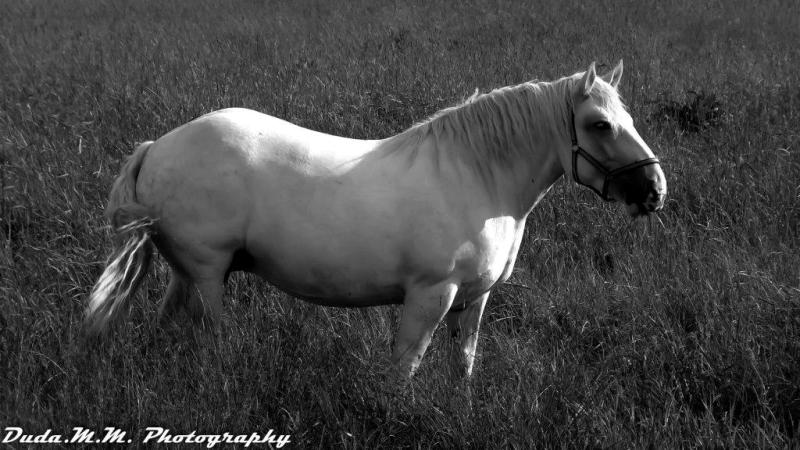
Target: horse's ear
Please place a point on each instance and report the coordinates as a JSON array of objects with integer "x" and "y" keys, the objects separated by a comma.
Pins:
[
  {"x": 615, "y": 75},
  {"x": 586, "y": 83}
]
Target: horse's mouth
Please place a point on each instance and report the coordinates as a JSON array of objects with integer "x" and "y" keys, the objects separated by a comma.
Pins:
[{"x": 637, "y": 209}]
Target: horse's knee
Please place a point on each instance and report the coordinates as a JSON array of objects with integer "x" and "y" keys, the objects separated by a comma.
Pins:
[
  {"x": 423, "y": 309},
  {"x": 462, "y": 355}
]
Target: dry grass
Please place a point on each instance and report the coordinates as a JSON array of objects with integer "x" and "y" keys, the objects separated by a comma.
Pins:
[{"x": 677, "y": 332}]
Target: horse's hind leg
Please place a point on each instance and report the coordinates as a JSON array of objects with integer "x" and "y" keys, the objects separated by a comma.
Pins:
[
  {"x": 175, "y": 298},
  {"x": 205, "y": 302},
  {"x": 196, "y": 283}
]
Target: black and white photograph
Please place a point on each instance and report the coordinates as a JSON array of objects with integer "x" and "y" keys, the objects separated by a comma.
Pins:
[{"x": 399, "y": 224}]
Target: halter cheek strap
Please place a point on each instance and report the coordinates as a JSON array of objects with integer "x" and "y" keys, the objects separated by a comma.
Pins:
[{"x": 608, "y": 175}]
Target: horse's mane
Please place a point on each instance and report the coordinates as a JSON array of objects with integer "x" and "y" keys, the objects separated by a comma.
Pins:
[{"x": 498, "y": 127}]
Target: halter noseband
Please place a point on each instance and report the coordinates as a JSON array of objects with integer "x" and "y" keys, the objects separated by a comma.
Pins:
[{"x": 609, "y": 175}]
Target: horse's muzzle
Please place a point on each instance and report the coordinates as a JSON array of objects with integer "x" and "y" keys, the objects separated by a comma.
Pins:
[{"x": 643, "y": 190}]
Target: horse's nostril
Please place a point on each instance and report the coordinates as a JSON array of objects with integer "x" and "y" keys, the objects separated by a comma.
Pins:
[
  {"x": 654, "y": 199},
  {"x": 653, "y": 193}
]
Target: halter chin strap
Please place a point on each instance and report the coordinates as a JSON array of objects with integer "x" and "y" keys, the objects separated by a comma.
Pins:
[{"x": 609, "y": 175}]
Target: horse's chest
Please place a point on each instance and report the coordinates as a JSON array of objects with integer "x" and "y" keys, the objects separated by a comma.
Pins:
[{"x": 489, "y": 259}]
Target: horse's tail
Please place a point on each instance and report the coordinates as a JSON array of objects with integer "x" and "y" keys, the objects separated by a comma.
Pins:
[{"x": 131, "y": 224}]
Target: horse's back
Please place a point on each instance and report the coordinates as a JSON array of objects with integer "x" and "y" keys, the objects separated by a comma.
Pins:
[
  {"x": 258, "y": 137},
  {"x": 238, "y": 149}
]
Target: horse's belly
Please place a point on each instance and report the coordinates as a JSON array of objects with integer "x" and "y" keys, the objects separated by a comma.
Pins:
[
  {"x": 326, "y": 256},
  {"x": 315, "y": 274}
]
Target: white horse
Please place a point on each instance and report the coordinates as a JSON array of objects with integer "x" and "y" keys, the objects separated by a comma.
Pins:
[{"x": 431, "y": 218}]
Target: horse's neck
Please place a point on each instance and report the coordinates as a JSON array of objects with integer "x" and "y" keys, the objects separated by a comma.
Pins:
[
  {"x": 531, "y": 164},
  {"x": 525, "y": 184},
  {"x": 544, "y": 175},
  {"x": 514, "y": 157}
]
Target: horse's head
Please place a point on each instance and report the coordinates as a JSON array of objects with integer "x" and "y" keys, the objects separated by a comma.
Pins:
[{"x": 607, "y": 154}]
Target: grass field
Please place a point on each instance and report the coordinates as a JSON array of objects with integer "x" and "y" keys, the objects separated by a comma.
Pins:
[{"x": 681, "y": 331}]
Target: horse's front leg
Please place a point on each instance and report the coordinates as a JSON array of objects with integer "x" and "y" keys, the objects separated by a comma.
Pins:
[
  {"x": 423, "y": 309},
  {"x": 463, "y": 326}
]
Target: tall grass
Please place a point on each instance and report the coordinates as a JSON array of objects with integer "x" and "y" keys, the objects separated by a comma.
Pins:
[{"x": 679, "y": 331}]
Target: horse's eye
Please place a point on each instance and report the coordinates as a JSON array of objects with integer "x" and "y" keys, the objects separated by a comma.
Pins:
[{"x": 602, "y": 125}]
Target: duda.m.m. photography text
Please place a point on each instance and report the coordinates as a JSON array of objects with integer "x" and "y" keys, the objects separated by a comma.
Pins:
[{"x": 153, "y": 435}]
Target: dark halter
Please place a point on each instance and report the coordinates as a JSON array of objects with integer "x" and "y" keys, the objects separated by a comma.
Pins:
[{"x": 609, "y": 175}]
